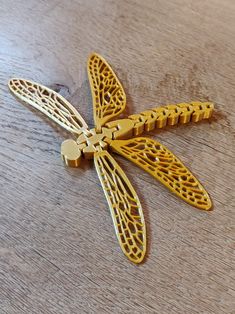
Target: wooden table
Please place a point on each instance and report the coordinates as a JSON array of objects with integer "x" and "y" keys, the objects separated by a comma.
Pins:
[{"x": 58, "y": 250}]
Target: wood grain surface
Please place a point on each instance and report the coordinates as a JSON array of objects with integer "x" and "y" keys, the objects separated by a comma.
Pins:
[{"x": 58, "y": 250}]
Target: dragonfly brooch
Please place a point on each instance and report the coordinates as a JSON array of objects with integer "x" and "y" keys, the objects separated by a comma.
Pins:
[{"x": 119, "y": 136}]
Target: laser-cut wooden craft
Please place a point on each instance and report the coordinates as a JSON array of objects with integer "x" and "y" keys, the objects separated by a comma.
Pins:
[{"x": 109, "y": 100}]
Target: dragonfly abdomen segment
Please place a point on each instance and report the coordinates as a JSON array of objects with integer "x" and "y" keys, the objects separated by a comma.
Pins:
[{"x": 170, "y": 115}]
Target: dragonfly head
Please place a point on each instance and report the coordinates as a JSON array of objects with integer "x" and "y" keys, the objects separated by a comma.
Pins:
[{"x": 71, "y": 153}]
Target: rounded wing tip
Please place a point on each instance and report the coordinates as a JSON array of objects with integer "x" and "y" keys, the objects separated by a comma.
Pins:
[
  {"x": 137, "y": 259},
  {"x": 93, "y": 54},
  {"x": 208, "y": 206},
  {"x": 137, "y": 256},
  {"x": 11, "y": 84},
  {"x": 15, "y": 81},
  {"x": 10, "y": 81}
]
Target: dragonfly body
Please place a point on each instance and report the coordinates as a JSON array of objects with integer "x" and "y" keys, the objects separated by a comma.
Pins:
[
  {"x": 91, "y": 141},
  {"x": 122, "y": 137}
]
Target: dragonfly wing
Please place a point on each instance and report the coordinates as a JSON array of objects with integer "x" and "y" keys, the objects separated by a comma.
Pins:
[
  {"x": 124, "y": 206},
  {"x": 49, "y": 102},
  {"x": 109, "y": 98},
  {"x": 163, "y": 165}
]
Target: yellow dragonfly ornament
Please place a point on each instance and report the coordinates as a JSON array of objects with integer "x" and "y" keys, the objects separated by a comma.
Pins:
[{"x": 119, "y": 136}]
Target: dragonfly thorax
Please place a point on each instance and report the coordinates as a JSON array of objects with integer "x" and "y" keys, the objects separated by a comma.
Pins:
[
  {"x": 91, "y": 141},
  {"x": 85, "y": 146}
]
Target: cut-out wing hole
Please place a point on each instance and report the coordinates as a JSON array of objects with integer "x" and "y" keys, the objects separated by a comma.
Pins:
[
  {"x": 124, "y": 206},
  {"x": 49, "y": 102},
  {"x": 108, "y": 95},
  {"x": 163, "y": 165}
]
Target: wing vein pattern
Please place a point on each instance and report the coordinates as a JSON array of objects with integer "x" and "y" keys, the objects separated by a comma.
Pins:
[
  {"x": 109, "y": 98},
  {"x": 125, "y": 207},
  {"x": 50, "y": 103},
  {"x": 163, "y": 165}
]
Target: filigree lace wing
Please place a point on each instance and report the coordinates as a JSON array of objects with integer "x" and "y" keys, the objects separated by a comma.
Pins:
[
  {"x": 49, "y": 102},
  {"x": 163, "y": 165},
  {"x": 108, "y": 95},
  {"x": 124, "y": 206}
]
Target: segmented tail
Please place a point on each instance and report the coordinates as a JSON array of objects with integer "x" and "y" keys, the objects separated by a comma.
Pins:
[{"x": 170, "y": 115}]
